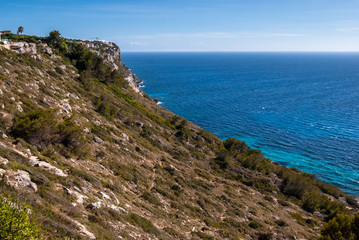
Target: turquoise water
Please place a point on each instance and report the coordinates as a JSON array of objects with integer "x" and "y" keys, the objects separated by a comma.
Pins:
[{"x": 300, "y": 109}]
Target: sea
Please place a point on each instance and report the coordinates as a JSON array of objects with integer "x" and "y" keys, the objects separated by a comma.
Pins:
[{"x": 300, "y": 109}]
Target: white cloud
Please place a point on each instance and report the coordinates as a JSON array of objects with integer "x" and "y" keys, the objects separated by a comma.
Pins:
[
  {"x": 181, "y": 35},
  {"x": 198, "y": 35},
  {"x": 209, "y": 35},
  {"x": 258, "y": 34},
  {"x": 349, "y": 30},
  {"x": 138, "y": 44}
]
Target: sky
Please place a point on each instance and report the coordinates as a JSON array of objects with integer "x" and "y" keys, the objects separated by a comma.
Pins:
[{"x": 193, "y": 25}]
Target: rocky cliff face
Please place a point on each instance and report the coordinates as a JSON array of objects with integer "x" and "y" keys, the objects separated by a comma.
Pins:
[
  {"x": 97, "y": 160},
  {"x": 111, "y": 53}
]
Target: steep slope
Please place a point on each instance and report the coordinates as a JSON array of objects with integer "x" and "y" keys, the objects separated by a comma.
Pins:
[{"x": 97, "y": 159}]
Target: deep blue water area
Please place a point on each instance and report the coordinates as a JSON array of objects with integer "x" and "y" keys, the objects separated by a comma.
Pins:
[{"x": 300, "y": 109}]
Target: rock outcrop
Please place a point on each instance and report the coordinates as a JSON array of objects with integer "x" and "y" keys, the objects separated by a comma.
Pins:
[
  {"x": 111, "y": 53},
  {"x": 21, "y": 180},
  {"x": 46, "y": 166}
]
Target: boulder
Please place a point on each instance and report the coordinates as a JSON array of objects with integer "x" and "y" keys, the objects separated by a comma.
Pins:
[
  {"x": 95, "y": 205},
  {"x": 20, "y": 180},
  {"x": 6, "y": 71},
  {"x": 46, "y": 166},
  {"x": 83, "y": 230},
  {"x": 2, "y": 134},
  {"x": 37, "y": 58},
  {"x": 3, "y": 160},
  {"x": 98, "y": 140},
  {"x": 125, "y": 137}
]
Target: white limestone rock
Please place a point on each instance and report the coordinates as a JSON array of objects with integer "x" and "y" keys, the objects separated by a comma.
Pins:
[
  {"x": 20, "y": 180},
  {"x": 83, "y": 230},
  {"x": 46, "y": 166}
]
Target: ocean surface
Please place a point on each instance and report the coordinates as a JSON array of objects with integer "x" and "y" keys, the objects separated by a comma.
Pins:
[{"x": 300, "y": 109}]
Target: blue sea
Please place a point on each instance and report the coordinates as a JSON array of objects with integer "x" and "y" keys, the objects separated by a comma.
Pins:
[{"x": 300, "y": 109}]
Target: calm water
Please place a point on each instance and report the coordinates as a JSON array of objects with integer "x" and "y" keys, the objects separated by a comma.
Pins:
[{"x": 300, "y": 109}]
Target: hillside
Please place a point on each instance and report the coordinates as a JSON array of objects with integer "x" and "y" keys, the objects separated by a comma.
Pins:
[{"x": 98, "y": 159}]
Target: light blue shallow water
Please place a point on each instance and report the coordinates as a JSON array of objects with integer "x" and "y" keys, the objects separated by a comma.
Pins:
[{"x": 299, "y": 109}]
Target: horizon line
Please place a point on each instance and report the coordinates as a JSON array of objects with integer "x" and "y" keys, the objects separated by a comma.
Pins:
[{"x": 216, "y": 51}]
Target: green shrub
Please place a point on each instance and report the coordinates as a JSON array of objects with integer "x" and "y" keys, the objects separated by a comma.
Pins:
[
  {"x": 202, "y": 235},
  {"x": 84, "y": 175},
  {"x": 234, "y": 154},
  {"x": 173, "y": 233},
  {"x": 280, "y": 223},
  {"x": 265, "y": 236},
  {"x": 146, "y": 131},
  {"x": 71, "y": 135},
  {"x": 16, "y": 222},
  {"x": 342, "y": 227},
  {"x": 283, "y": 203},
  {"x": 43, "y": 127},
  {"x": 59, "y": 70},
  {"x": 148, "y": 196},
  {"x": 52, "y": 73},
  {"x": 105, "y": 108},
  {"x": 311, "y": 201},
  {"x": 234, "y": 145},
  {"x": 184, "y": 133},
  {"x": 253, "y": 224},
  {"x": 222, "y": 159},
  {"x": 37, "y": 127},
  {"x": 298, "y": 217},
  {"x": 142, "y": 222},
  {"x": 209, "y": 137}
]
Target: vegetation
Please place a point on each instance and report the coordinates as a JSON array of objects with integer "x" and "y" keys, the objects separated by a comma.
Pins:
[
  {"x": 146, "y": 225},
  {"x": 19, "y": 37},
  {"x": 20, "y": 30},
  {"x": 233, "y": 154},
  {"x": 342, "y": 227},
  {"x": 41, "y": 127},
  {"x": 16, "y": 221},
  {"x": 57, "y": 41}
]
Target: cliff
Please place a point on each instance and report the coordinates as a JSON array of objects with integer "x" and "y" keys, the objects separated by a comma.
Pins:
[
  {"x": 111, "y": 53},
  {"x": 97, "y": 159}
]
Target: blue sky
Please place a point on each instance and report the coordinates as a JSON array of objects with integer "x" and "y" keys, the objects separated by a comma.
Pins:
[{"x": 194, "y": 25}]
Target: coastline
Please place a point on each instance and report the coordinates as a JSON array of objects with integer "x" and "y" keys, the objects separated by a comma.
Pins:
[{"x": 287, "y": 150}]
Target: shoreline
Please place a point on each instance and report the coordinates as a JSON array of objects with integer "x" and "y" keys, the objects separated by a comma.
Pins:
[{"x": 306, "y": 165}]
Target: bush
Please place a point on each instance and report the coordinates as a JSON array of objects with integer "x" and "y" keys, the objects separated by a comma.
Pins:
[
  {"x": 311, "y": 201},
  {"x": 341, "y": 227},
  {"x": 265, "y": 236},
  {"x": 146, "y": 225},
  {"x": 43, "y": 127},
  {"x": 280, "y": 223},
  {"x": 148, "y": 196},
  {"x": 222, "y": 159},
  {"x": 52, "y": 73},
  {"x": 283, "y": 203},
  {"x": 234, "y": 154},
  {"x": 71, "y": 136},
  {"x": 254, "y": 224},
  {"x": 37, "y": 127},
  {"x": 16, "y": 222},
  {"x": 59, "y": 70},
  {"x": 105, "y": 108}
]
